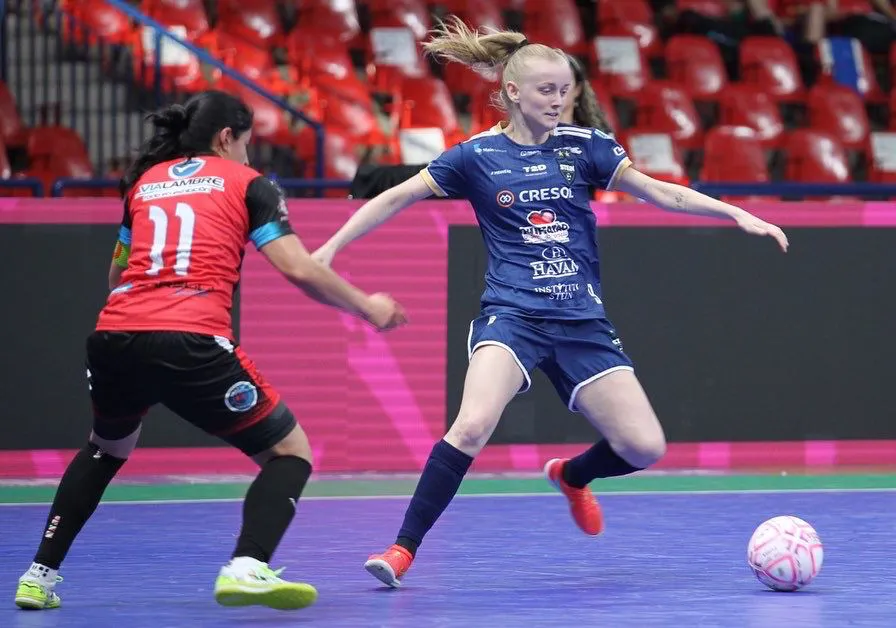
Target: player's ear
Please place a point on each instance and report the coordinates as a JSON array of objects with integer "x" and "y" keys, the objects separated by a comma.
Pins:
[
  {"x": 224, "y": 139},
  {"x": 513, "y": 91}
]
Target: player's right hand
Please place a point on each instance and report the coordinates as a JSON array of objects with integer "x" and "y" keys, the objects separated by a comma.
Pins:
[
  {"x": 323, "y": 256},
  {"x": 384, "y": 312}
]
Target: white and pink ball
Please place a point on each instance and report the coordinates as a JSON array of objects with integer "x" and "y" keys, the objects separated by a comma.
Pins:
[{"x": 785, "y": 553}]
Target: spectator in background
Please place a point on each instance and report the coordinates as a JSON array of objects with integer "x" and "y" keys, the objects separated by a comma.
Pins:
[
  {"x": 872, "y": 22},
  {"x": 581, "y": 106},
  {"x": 741, "y": 19}
]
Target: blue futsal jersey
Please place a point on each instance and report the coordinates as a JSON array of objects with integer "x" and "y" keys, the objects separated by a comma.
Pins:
[{"x": 532, "y": 204}]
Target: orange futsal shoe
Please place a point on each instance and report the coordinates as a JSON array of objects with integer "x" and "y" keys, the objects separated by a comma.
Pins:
[
  {"x": 390, "y": 566},
  {"x": 583, "y": 506}
]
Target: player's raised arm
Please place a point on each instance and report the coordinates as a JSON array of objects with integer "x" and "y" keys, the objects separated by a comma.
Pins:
[
  {"x": 678, "y": 198},
  {"x": 375, "y": 212},
  {"x": 288, "y": 255},
  {"x": 270, "y": 231}
]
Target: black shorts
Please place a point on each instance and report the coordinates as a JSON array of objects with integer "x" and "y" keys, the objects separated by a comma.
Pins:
[{"x": 207, "y": 380}]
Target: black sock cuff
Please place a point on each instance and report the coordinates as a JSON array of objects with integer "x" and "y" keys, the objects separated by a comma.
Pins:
[{"x": 445, "y": 452}]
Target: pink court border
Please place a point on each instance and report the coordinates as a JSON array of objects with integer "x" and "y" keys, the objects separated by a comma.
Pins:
[{"x": 376, "y": 402}]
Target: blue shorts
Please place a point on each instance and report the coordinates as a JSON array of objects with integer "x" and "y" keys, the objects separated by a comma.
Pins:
[{"x": 571, "y": 353}]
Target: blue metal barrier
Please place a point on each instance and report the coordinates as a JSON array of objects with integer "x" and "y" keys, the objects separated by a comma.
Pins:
[
  {"x": 791, "y": 189},
  {"x": 35, "y": 185},
  {"x": 785, "y": 190}
]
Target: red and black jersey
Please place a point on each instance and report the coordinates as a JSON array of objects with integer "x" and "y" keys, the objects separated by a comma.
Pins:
[{"x": 187, "y": 223}]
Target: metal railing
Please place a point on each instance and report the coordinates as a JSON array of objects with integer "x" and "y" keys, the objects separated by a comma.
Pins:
[{"x": 65, "y": 74}]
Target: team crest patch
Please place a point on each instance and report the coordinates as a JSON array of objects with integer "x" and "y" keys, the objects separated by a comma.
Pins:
[
  {"x": 567, "y": 164},
  {"x": 241, "y": 396}
]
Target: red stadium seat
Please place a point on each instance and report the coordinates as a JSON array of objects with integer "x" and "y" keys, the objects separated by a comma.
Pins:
[
  {"x": 620, "y": 65},
  {"x": 742, "y": 105},
  {"x": 476, "y": 13},
  {"x": 411, "y": 14},
  {"x": 654, "y": 154},
  {"x": 709, "y": 8},
  {"x": 815, "y": 157},
  {"x": 341, "y": 160},
  {"x": 695, "y": 63},
  {"x": 734, "y": 154},
  {"x": 854, "y": 7},
  {"x": 47, "y": 143},
  {"x": 313, "y": 56},
  {"x": 187, "y": 13},
  {"x": 839, "y": 111},
  {"x": 256, "y": 21},
  {"x": 665, "y": 107},
  {"x": 769, "y": 64},
  {"x": 94, "y": 21},
  {"x": 12, "y": 131},
  {"x": 254, "y": 63},
  {"x": 464, "y": 81},
  {"x": 337, "y": 19},
  {"x": 555, "y": 24},
  {"x": 5, "y": 170},
  {"x": 606, "y": 104},
  {"x": 632, "y": 18},
  {"x": 426, "y": 103},
  {"x": 883, "y": 158},
  {"x": 181, "y": 69},
  {"x": 393, "y": 54},
  {"x": 56, "y": 152}
]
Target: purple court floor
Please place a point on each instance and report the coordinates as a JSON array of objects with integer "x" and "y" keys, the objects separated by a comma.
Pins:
[{"x": 665, "y": 560}]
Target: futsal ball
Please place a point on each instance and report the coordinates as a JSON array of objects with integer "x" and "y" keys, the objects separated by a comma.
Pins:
[{"x": 785, "y": 553}]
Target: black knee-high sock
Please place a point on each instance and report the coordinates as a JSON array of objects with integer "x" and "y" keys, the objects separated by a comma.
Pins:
[
  {"x": 599, "y": 461},
  {"x": 270, "y": 505},
  {"x": 79, "y": 492},
  {"x": 441, "y": 477}
]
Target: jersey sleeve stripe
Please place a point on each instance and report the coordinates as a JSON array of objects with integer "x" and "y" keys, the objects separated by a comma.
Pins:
[
  {"x": 267, "y": 233},
  {"x": 124, "y": 235},
  {"x": 431, "y": 182},
  {"x": 620, "y": 168}
]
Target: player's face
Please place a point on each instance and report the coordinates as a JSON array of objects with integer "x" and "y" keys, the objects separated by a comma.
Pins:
[
  {"x": 542, "y": 92},
  {"x": 234, "y": 148}
]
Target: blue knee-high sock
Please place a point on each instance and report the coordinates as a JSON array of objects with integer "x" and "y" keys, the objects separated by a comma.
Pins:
[
  {"x": 442, "y": 475},
  {"x": 599, "y": 461}
]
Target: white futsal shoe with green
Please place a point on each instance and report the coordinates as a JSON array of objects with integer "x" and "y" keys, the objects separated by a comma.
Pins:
[
  {"x": 245, "y": 581},
  {"x": 35, "y": 591}
]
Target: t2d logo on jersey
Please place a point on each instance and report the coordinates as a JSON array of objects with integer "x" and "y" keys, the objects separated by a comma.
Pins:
[
  {"x": 185, "y": 169},
  {"x": 535, "y": 170},
  {"x": 559, "y": 291},
  {"x": 555, "y": 263},
  {"x": 544, "y": 228}
]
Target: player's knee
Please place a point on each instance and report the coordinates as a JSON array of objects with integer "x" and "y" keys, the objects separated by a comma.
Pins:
[
  {"x": 642, "y": 450},
  {"x": 471, "y": 431}
]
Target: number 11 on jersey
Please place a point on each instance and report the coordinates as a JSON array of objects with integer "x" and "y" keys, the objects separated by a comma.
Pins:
[{"x": 159, "y": 219}]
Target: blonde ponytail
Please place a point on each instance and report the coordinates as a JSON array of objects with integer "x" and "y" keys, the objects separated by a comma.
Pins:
[{"x": 491, "y": 53}]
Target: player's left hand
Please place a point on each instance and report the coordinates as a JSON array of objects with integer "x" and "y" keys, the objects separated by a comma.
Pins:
[{"x": 754, "y": 226}]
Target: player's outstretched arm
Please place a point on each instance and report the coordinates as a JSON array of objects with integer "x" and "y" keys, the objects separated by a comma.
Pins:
[
  {"x": 288, "y": 255},
  {"x": 372, "y": 214},
  {"x": 677, "y": 198}
]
